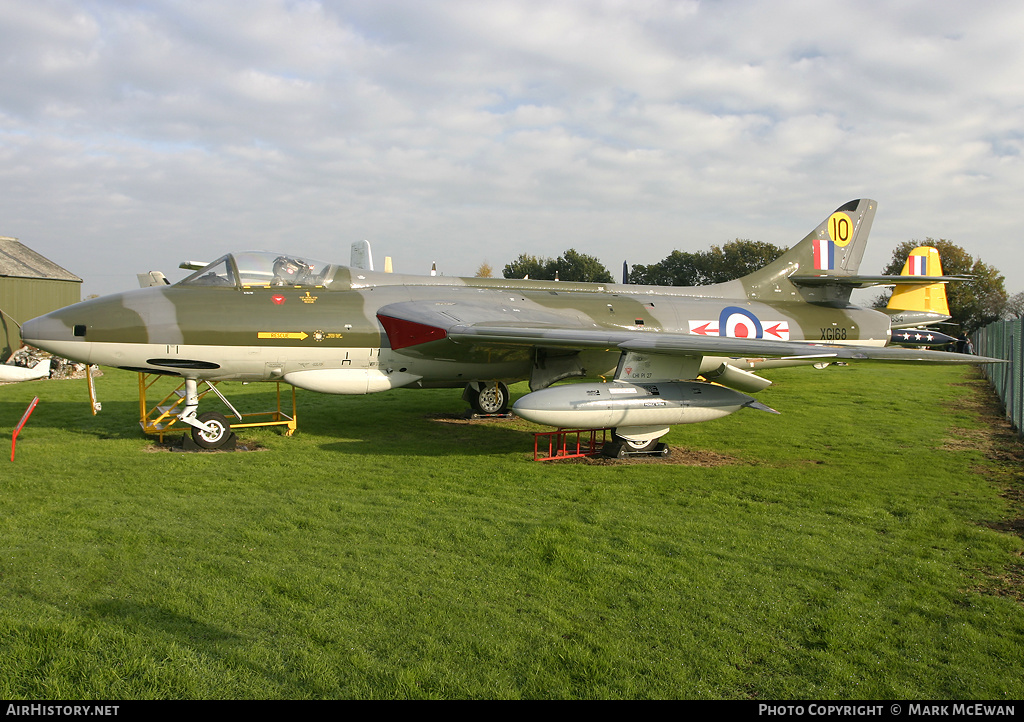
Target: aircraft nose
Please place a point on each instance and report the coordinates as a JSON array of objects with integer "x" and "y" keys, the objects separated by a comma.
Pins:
[
  {"x": 55, "y": 334},
  {"x": 30, "y": 331},
  {"x": 46, "y": 328}
]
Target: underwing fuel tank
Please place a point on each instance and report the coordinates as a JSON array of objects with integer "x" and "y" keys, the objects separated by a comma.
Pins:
[{"x": 622, "y": 404}]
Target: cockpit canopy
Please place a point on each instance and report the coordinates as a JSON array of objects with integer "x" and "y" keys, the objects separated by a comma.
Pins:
[{"x": 263, "y": 269}]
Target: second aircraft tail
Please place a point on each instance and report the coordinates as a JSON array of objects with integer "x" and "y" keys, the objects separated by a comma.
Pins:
[{"x": 923, "y": 261}]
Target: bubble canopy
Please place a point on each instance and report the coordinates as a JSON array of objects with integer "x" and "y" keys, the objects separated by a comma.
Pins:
[{"x": 262, "y": 268}]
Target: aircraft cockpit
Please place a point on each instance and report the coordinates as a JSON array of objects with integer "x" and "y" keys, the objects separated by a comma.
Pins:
[{"x": 263, "y": 269}]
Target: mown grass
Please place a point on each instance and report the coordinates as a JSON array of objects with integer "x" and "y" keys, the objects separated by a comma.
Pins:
[{"x": 841, "y": 550}]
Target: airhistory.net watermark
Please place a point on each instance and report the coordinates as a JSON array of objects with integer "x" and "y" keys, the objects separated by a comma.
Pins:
[{"x": 61, "y": 710}]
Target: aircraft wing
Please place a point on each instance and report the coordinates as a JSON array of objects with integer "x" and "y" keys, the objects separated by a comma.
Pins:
[
  {"x": 823, "y": 279},
  {"x": 695, "y": 345},
  {"x": 410, "y": 324}
]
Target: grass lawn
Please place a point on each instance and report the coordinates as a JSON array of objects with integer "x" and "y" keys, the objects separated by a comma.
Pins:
[{"x": 863, "y": 545}]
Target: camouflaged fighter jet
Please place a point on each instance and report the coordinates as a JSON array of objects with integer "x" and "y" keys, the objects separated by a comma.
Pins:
[{"x": 676, "y": 355}]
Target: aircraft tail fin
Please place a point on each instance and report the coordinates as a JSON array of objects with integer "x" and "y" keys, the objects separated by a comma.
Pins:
[
  {"x": 361, "y": 256},
  {"x": 823, "y": 266},
  {"x": 153, "y": 278},
  {"x": 931, "y": 297}
]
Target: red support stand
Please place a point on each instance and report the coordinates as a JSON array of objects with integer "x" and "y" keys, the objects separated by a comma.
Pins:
[{"x": 568, "y": 443}]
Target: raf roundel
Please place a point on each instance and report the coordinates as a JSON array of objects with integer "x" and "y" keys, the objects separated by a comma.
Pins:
[{"x": 738, "y": 322}]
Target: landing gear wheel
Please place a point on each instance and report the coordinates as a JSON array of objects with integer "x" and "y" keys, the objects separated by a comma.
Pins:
[
  {"x": 630, "y": 445},
  {"x": 491, "y": 399},
  {"x": 212, "y": 439}
]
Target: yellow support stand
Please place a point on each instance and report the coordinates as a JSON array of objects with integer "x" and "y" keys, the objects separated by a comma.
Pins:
[{"x": 160, "y": 419}]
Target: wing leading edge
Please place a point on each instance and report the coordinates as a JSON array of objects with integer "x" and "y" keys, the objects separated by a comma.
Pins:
[{"x": 689, "y": 345}]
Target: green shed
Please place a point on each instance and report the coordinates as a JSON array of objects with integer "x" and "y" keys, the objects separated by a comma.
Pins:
[{"x": 30, "y": 285}]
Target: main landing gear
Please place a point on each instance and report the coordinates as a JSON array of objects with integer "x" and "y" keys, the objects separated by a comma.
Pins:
[{"x": 488, "y": 398}]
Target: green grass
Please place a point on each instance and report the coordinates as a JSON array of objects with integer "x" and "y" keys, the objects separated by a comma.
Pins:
[{"x": 845, "y": 551}]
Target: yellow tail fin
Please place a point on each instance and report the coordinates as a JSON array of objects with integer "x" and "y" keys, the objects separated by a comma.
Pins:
[{"x": 923, "y": 261}]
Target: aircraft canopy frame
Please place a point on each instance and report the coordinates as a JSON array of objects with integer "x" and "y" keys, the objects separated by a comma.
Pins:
[{"x": 263, "y": 269}]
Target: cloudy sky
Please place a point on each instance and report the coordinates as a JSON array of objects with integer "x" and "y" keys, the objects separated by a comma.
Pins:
[{"x": 136, "y": 135}]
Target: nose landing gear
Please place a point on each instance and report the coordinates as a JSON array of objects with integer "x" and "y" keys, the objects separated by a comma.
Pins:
[
  {"x": 210, "y": 430},
  {"x": 217, "y": 434}
]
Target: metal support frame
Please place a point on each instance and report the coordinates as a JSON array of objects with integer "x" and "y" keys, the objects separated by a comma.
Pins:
[
  {"x": 159, "y": 420},
  {"x": 577, "y": 443},
  {"x": 568, "y": 443}
]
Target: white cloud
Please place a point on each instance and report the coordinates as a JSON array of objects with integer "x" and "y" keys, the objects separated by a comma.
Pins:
[{"x": 450, "y": 131}]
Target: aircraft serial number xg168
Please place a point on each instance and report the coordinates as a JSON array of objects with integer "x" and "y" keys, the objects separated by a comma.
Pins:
[{"x": 676, "y": 355}]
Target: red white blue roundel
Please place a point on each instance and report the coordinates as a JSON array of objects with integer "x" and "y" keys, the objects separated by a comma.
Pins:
[{"x": 738, "y": 322}]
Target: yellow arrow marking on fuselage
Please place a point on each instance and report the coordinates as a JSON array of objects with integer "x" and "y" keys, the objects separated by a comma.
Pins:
[{"x": 301, "y": 335}]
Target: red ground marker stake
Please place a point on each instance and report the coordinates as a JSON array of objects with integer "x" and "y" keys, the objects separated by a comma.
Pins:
[{"x": 17, "y": 429}]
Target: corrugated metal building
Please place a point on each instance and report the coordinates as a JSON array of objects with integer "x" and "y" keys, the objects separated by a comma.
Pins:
[{"x": 30, "y": 286}]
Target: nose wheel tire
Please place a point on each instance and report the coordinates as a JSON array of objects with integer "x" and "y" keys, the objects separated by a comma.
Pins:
[{"x": 221, "y": 431}]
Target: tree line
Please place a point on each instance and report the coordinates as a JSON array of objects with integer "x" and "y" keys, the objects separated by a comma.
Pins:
[
  {"x": 716, "y": 265},
  {"x": 570, "y": 266},
  {"x": 972, "y": 304}
]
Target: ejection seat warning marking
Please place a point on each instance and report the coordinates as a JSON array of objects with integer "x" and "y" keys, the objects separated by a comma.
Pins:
[
  {"x": 301, "y": 335},
  {"x": 319, "y": 335},
  {"x": 840, "y": 229}
]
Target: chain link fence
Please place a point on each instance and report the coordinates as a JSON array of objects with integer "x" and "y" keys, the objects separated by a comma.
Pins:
[{"x": 1005, "y": 339}]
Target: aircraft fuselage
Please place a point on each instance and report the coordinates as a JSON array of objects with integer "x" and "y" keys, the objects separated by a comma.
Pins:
[{"x": 274, "y": 332}]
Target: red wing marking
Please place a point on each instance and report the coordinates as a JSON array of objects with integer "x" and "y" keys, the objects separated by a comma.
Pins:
[{"x": 404, "y": 333}]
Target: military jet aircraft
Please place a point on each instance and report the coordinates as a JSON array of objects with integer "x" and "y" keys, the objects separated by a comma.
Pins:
[{"x": 673, "y": 355}]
